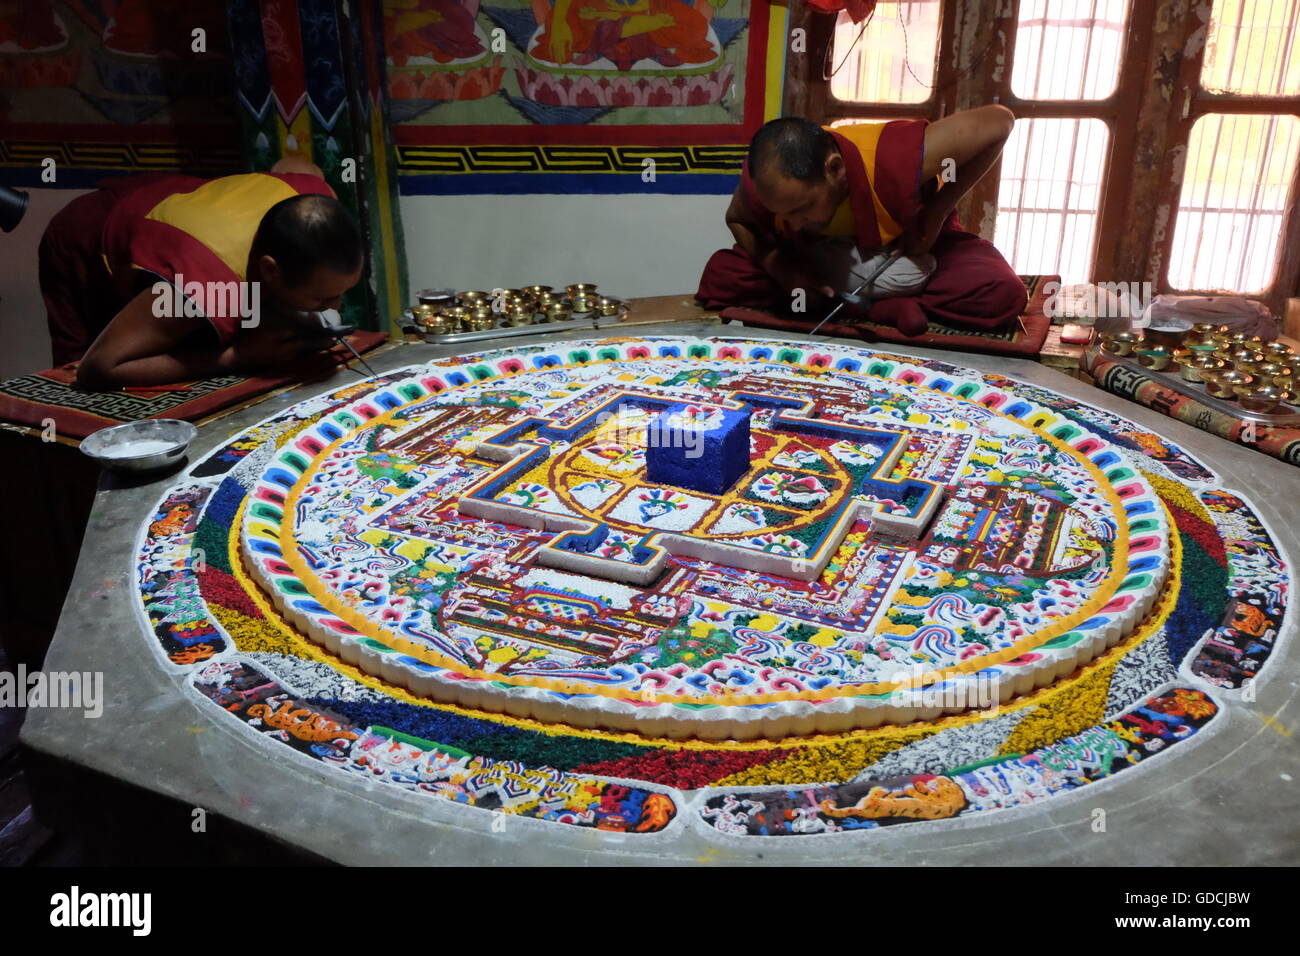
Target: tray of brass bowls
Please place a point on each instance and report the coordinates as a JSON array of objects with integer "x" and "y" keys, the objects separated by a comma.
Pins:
[
  {"x": 507, "y": 313},
  {"x": 1240, "y": 395}
]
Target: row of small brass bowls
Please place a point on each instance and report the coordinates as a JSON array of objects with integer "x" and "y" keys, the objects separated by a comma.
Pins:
[
  {"x": 475, "y": 311},
  {"x": 1258, "y": 375}
]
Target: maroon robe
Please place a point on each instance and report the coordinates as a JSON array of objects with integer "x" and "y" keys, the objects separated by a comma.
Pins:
[{"x": 972, "y": 287}]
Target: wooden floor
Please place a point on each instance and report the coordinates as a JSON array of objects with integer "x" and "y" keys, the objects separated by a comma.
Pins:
[{"x": 24, "y": 841}]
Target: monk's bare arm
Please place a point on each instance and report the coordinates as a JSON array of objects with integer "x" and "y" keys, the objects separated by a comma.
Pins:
[
  {"x": 972, "y": 140},
  {"x": 141, "y": 348}
]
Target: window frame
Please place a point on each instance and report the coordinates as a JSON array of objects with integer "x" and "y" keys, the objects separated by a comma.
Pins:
[{"x": 1157, "y": 98}]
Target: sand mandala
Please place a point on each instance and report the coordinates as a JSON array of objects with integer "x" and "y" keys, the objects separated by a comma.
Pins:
[{"x": 751, "y": 588}]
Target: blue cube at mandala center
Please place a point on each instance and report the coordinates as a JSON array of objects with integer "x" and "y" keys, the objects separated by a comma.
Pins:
[{"x": 698, "y": 447}]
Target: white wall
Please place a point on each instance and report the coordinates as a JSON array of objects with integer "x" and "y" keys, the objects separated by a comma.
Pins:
[
  {"x": 23, "y": 332},
  {"x": 628, "y": 245}
]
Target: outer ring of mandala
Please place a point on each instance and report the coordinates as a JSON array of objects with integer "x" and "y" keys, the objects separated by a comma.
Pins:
[
  {"x": 184, "y": 631},
  {"x": 1060, "y": 648}
]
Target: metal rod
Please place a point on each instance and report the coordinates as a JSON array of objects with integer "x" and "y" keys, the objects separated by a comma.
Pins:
[
  {"x": 854, "y": 296},
  {"x": 357, "y": 355}
]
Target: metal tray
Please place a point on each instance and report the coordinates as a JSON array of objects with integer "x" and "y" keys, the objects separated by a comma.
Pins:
[
  {"x": 590, "y": 321},
  {"x": 1197, "y": 391}
]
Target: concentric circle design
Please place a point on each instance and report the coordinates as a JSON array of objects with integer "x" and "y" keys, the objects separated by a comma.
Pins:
[
  {"x": 350, "y": 518},
  {"x": 927, "y": 594}
]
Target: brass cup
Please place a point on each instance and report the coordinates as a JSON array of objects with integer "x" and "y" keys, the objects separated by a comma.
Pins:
[
  {"x": 1227, "y": 383},
  {"x": 1169, "y": 334},
  {"x": 474, "y": 300},
  {"x": 1156, "y": 358},
  {"x": 1287, "y": 383},
  {"x": 1262, "y": 398},
  {"x": 1271, "y": 369},
  {"x": 1202, "y": 331},
  {"x": 608, "y": 306},
  {"x": 583, "y": 305},
  {"x": 443, "y": 324},
  {"x": 537, "y": 291},
  {"x": 1279, "y": 352},
  {"x": 1246, "y": 358},
  {"x": 558, "y": 312},
  {"x": 1200, "y": 368},
  {"x": 1122, "y": 343},
  {"x": 437, "y": 298},
  {"x": 581, "y": 289}
]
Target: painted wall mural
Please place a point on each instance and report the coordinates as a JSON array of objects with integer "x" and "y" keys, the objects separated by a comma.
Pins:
[{"x": 575, "y": 95}]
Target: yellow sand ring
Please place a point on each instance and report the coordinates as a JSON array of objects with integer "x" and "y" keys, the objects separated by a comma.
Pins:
[{"x": 283, "y": 534}]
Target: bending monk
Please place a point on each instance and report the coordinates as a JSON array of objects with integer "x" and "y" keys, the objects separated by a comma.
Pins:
[
  {"x": 816, "y": 208},
  {"x": 151, "y": 278}
]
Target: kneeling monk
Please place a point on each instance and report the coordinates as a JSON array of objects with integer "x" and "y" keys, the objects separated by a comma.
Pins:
[
  {"x": 110, "y": 260},
  {"x": 816, "y": 209}
]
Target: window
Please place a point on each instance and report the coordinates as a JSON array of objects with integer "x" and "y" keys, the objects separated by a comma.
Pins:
[
  {"x": 1253, "y": 48},
  {"x": 1233, "y": 201},
  {"x": 1241, "y": 166},
  {"x": 1068, "y": 49},
  {"x": 1121, "y": 167},
  {"x": 1049, "y": 195},
  {"x": 891, "y": 57}
]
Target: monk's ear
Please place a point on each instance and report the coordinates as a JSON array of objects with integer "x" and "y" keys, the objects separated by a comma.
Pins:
[
  {"x": 834, "y": 167},
  {"x": 268, "y": 270}
]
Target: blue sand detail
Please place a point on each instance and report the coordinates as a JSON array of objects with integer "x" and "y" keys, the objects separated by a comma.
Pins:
[{"x": 708, "y": 460}]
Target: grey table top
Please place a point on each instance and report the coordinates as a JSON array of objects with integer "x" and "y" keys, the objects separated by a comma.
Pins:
[{"x": 1231, "y": 799}]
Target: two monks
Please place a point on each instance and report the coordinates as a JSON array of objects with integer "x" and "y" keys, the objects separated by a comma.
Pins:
[{"x": 817, "y": 209}]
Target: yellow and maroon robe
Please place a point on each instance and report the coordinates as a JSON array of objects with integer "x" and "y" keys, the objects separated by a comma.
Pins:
[
  {"x": 973, "y": 285},
  {"x": 105, "y": 247}
]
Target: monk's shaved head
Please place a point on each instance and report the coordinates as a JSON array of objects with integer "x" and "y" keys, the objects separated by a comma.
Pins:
[
  {"x": 304, "y": 233},
  {"x": 798, "y": 172},
  {"x": 792, "y": 147}
]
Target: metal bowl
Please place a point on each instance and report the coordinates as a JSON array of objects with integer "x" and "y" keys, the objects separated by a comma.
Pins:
[
  {"x": 1121, "y": 343},
  {"x": 1201, "y": 367},
  {"x": 581, "y": 289},
  {"x": 1228, "y": 383},
  {"x": 1246, "y": 358},
  {"x": 537, "y": 291},
  {"x": 1262, "y": 398},
  {"x": 141, "y": 446},
  {"x": 438, "y": 298},
  {"x": 1170, "y": 333},
  {"x": 1156, "y": 358}
]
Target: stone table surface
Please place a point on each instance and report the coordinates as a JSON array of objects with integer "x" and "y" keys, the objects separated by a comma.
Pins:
[{"x": 1229, "y": 799}]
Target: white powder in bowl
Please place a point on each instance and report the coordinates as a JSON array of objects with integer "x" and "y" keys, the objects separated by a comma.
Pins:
[{"x": 140, "y": 448}]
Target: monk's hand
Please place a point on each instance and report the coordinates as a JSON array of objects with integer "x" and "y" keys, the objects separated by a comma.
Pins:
[
  {"x": 274, "y": 344},
  {"x": 791, "y": 275}
]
